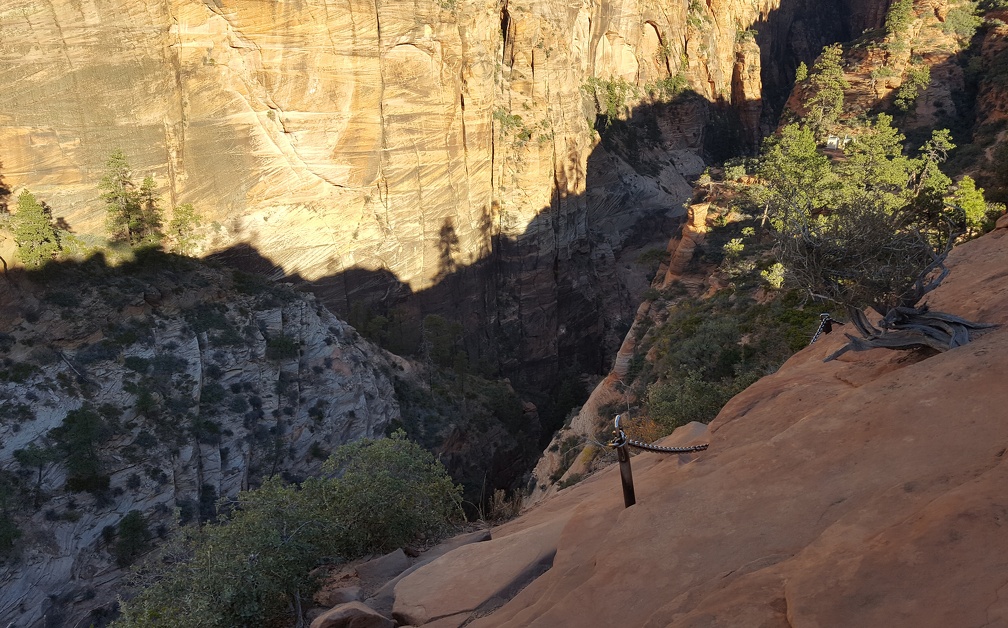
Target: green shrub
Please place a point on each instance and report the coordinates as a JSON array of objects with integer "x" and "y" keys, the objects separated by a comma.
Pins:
[
  {"x": 733, "y": 248},
  {"x": 206, "y": 317},
  {"x": 774, "y": 276},
  {"x": 611, "y": 95},
  {"x": 133, "y": 538},
  {"x": 962, "y": 21},
  {"x": 281, "y": 347},
  {"x": 253, "y": 567},
  {"x": 664, "y": 89},
  {"x": 165, "y": 365},
  {"x": 693, "y": 398},
  {"x": 18, "y": 372},
  {"x": 212, "y": 393},
  {"x": 136, "y": 363},
  {"x": 9, "y": 531}
]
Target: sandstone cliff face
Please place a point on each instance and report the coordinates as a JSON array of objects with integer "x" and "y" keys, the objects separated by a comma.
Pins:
[
  {"x": 381, "y": 147},
  {"x": 204, "y": 390},
  {"x": 864, "y": 491}
]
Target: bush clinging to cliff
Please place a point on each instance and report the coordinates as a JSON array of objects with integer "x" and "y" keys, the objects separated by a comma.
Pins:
[{"x": 253, "y": 568}]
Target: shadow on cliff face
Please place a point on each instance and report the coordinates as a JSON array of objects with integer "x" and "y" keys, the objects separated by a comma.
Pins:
[{"x": 552, "y": 302}]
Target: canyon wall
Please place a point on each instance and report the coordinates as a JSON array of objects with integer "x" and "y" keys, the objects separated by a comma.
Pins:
[
  {"x": 378, "y": 148},
  {"x": 191, "y": 386}
]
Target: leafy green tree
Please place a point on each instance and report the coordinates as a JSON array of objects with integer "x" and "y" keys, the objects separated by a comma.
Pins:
[
  {"x": 796, "y": 176},
  {"x": 801, "y": 73},
  {"x": 121, "y": 202},
  {"x": 133, "y": 214},
  {"x": 898, "y": 18},
  {"x": 254, "y": 568},
  {"x": 182, "y": 229},
  {"x": 918, "y": 78},
  {"x": 150, "y": 216},
  {"x": 876, "y": 168},
  {"x": 34, "y": 234}
]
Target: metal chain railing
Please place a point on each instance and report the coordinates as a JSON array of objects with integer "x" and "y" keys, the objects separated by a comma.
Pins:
[
  {"x": 826, "y": 323},
  {"x": 620, "y": 443}
]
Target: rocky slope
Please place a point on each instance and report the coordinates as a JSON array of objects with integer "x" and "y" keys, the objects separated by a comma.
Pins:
[
  {"x": 198, "y": 385},
  {"x": 863, "y": 491},
  {"x": 378, "y": 148}
]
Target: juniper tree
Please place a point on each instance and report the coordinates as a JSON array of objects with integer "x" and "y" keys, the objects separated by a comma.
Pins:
[
  {"x": 255, "y": 566},
  {"x": 871, "y": 231}
]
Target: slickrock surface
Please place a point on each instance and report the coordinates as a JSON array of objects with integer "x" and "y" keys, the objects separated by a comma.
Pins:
[
  {"x": 493, "y": 570},
  {"x": 868, "y": 491}
]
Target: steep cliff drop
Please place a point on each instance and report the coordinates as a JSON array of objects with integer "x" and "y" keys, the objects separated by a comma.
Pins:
[{"x": 865, "y": 491}]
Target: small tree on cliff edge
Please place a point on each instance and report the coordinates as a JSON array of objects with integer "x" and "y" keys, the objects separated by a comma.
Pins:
[
  {"x": 182, "y": 229},
  {"x": 871, "y": 231},
  {"x": 133, "y": 215}
]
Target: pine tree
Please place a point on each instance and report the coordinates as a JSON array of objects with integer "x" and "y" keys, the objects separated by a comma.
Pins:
[
  {"x": 34, "y": 234},
  {"x": 182, "y": 229},
  {"x": 133, "y": 215},
  {"x": 149, "y": 218},
  {"x": 121, "y": 199}
]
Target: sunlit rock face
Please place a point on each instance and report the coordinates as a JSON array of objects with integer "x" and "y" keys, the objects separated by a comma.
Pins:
[{"x": 380, "y": 148}]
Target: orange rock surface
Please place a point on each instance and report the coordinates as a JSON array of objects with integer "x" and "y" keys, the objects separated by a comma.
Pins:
[{"x": 868, "y": 491}]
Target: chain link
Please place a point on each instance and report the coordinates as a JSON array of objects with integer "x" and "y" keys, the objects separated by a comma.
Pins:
[
  {"x": 825, "y": 326},
  {"x": 667, "y": 450},
  {"x": 620, "y": 439}
]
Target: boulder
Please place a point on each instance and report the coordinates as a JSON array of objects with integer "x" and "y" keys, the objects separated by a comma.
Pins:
[
  {"x": 383, "y": 598},
  {"x": 352, "y": 615},
  {"x": 335, "y": 597},
  {"x": 374, "y": 573},
  {"x": 476, "y": 577}
]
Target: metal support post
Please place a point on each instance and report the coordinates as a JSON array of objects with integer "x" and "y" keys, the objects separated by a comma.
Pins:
[{"x": 626, "y": 474}]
